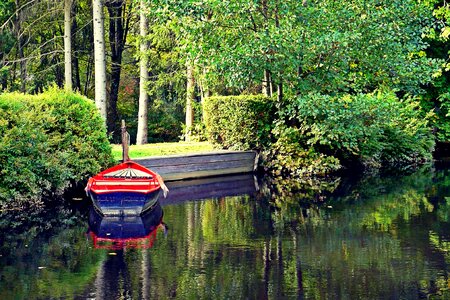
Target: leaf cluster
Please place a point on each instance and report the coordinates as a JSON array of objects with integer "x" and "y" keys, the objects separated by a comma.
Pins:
[
  {"x": 323, "y": 46},
  {"x": 327, "y": 132},
  {"x": 47, "y": 142}
]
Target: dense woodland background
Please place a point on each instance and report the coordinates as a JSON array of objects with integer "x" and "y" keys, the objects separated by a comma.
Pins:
[{"x": 321, "y": 62}]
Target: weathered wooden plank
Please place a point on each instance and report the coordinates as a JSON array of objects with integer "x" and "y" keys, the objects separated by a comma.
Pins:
[
  {"x": 179, "y": 167},
  {"x": 181, "y": 175},
  {"x": 196, "y": 158},
  {"x": 205, "y": 166},
  {"x": 208, "y": 188}
]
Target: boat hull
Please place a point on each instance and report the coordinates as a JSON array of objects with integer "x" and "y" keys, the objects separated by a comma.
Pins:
[{"x": 124, "y": 203}]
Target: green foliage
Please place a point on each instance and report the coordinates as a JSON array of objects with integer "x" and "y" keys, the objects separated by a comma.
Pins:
[
  {"x": 167, "y": 85},
  {"x": 47, "y": 142},
  {"x": 375, "y": 129},
  {"x": 164, "y": 121},
  {"x": 437, "y": 95},
  {"x": 306, "y": 45},
  {"x": 239, "y": 122},
  {"x": 288, "y": 156}
]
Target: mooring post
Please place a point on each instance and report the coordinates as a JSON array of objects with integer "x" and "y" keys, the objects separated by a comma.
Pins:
[{"x": 125, "y": 140}]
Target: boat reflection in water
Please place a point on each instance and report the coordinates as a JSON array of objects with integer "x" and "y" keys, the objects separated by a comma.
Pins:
[
  {"x": 127, "y": 270},
  {"x": 120, "y": 236},
  {"x": 126, "y": 231}
]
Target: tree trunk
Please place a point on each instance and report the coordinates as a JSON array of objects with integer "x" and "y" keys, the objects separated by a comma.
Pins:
[
  {"x": 280, "y": 91},
  {"x": 205, "y": 92},
  {"x": 3, "y": 77},
  {"x": 88, "y": 74},
  {"x": 115, "y": 42},
  {"x": 142, "y": 131},
  {"x": 17, "y": 26},
  {"x": 280, "y": 79},
  {"x": 89, "y": 39},
  {"x": 67, "y": 45},
  {"x": 75, "y": 62},
  {"x": 99, "y": 57},
  {"x": 190, "y": 98},
  {"x": 118, "y": 29},
  {"x": 266, "y": 89}
]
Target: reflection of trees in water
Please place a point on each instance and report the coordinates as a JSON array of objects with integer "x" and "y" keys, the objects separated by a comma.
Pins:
[
  {"x": 314, "y": 250},
  {"x": 380, "y": 228},
  {"x": 59, "y": 266},
  {"x": 113, "y": 279},
  {"x": 378, "y": 237}
]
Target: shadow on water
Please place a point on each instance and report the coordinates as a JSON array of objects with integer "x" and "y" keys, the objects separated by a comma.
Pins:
[{"x": 374, "y": 237}]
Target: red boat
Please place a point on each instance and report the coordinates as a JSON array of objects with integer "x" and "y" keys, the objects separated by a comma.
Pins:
[{"x": 125, "y": 189}]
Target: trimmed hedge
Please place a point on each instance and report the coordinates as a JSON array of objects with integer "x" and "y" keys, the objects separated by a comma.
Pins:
[
  {"x": 48, "y": 142},
  {"x": 239, "y": 122}
]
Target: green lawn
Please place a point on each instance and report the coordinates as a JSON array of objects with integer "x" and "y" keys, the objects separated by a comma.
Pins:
[{"x": 158, "y": 149}]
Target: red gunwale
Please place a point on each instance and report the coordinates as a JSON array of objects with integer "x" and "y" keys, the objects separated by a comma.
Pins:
[{"x": 100, "y": 184}]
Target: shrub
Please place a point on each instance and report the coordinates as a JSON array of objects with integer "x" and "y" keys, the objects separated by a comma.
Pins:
[
  {"x": 239, "y": 122},
  {"x": 47, "y": 142},
  {"x": 373, "y": 129},
  {"x": 288, "y": 157}
]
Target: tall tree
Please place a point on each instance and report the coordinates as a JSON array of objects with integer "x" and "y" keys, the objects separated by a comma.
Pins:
[
  {"x": 75, "y": 55},
  {"x": 100, "y": 57},
  {"x": 68, "y": 44},
  {"x": 20, "y": 44},
  {"x": 190, "y": 98},
  {"x": 142, "y": 131},
  {"x": 8, "y": 41},
  {"x": 119, "y": 22}
]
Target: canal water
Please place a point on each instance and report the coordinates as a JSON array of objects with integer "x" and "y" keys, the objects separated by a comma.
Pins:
[{"x": 375, "y": 237}]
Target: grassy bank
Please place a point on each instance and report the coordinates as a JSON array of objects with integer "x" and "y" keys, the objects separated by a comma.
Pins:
[{"x": 157, "y": 149}]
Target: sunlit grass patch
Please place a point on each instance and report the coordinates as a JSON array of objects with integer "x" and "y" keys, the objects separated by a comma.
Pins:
[{"x": 158, "y": 149}]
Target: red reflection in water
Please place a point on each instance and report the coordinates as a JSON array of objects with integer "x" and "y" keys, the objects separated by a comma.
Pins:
[{"x": 145, "y": 242}]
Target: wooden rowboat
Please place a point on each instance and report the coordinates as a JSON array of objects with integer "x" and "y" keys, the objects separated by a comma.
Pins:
[{"x": 125, "y": 189}]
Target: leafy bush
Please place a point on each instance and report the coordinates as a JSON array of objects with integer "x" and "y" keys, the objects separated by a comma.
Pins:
[
  {"x": 441, "y": 107},
  {"x": 288, "y": 157},
  {"x": 326, "y": 132},
  {"x": 47, "y": 142},
  {"x": 239, "y": 122}
]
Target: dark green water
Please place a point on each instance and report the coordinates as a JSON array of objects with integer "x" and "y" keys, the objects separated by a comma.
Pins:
[{"x": 372, "y": 238}]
